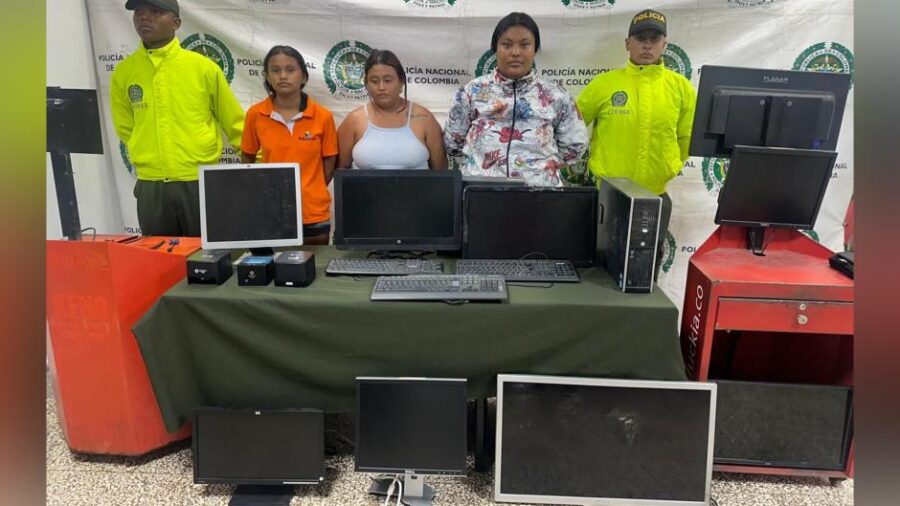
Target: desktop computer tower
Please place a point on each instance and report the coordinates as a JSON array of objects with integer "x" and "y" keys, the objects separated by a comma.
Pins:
[{"x": 628, "y": 233}]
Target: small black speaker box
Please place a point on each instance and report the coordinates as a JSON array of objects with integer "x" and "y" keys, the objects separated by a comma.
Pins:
[
  {"x": 783, "y": 425},
  {"x": 255, "y": 271},
  {"x": 209, "y": 267},
  {"x": 295, "y": 268}
]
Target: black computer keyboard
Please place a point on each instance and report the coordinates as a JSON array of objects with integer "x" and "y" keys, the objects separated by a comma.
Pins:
[
  {"x": 553, "y": 271},
  {"x": 382, "y": 266},
  {"x": 439, "y": 287}
]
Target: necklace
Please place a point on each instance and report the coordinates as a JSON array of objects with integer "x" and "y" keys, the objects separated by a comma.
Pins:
[{"x": 402, "y": 102}]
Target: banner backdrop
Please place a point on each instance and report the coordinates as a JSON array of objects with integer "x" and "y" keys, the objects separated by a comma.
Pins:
[{"x": 445, "y": 43}]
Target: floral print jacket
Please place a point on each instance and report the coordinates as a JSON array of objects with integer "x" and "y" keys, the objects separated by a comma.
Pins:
[{"x": 543, "y": 135}]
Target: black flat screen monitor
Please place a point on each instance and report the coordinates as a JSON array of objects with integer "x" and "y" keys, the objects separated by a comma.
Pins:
[
  {"x": 250, "y": 206},
  {"x": 783, "y": 425},
  {"x": 73, "y": 121},
  {"x": 765, "y": 107},
  {"x": 248, "y": 447},
  {"x": 397, "y": 210},
  {"x": 567, "y": 440},
  {"x": 774, "y": 187},
  {"x": 513, "y": 222},
  {"x": 411, "y": 425}
]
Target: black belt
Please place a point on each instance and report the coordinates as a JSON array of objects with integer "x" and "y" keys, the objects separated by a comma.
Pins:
[{"x": 314, "y": 229}]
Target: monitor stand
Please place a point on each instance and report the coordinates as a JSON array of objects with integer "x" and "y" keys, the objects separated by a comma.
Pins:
[
  {"x": 415, "y": 491},
  {"x": 262, "y": 252},
  {"x": 262, "y": 495},
  {"x": 756, "y": 240}
]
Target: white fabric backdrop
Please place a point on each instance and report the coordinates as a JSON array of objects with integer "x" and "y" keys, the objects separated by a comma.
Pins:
[{"x": 444, "y": 43}]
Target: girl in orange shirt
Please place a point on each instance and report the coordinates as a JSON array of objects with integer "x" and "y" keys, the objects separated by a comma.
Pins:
[{"x": 289, "y": 126}]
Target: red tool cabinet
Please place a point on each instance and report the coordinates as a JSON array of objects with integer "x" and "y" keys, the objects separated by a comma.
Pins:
[{"x": 785, "y": 317}]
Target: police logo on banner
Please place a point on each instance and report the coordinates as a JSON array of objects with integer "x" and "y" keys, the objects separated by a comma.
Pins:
[
  {"x": 714, "y": 171},
  {"x": 486, "y": 64},
  {"x": 214, "y": 49},
  {"x": 668, "y": 251},
  {"x": 123, "y": 150},
  {"x": 619, "y": 99},
  {"x": 345, "y": 69},
  {"x": 674, "y": 58},
  {"x": 135, "y": 93},
  {"x": 826, "y": 57},
  {"x": 431, "y": 3},
  {"x": 588, "y": 4},
  {"x": 749, "y": 4}
]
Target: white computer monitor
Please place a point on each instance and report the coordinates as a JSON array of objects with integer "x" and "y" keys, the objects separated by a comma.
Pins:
[
  {"x": 588, "y": 441},
  {"x": 250, "y": 206}
]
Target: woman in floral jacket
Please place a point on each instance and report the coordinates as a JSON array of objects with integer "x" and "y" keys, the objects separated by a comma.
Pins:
[{"x": 512, "y": 123}]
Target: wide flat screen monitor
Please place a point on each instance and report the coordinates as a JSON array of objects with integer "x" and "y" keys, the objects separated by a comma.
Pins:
[
  {"x": 774, "y": 187},
  {"x": 250, "y": 206},
  {"x": 514, "y": 222},
  {"x": 588, "y": 441},
  {"x": 783, "y": 425},
  {"x": 765, "y": 107},
  {"x": 249, "y": 447},
  {"x": 397, "y": 210}
]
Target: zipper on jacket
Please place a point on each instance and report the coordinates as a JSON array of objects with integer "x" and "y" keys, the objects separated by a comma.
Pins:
[{"x": 512, "y": 129}]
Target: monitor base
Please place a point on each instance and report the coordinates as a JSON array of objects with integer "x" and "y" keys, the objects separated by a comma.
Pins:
[
  {"x": 262, "y": 495},
  {"x": 415, "y": 491}
]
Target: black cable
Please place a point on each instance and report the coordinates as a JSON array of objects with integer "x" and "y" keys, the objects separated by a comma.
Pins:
[
  {"x": 455, "y": 302},
  {"x": 537, "y": 253},
  {"x": 342, "y": 437},
  {"x": 712, "y": 501},
  {"x": 94, "y": 235},
  {"x": 513, "y": 128}
]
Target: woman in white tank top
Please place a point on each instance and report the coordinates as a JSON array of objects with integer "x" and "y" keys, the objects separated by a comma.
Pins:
[{"x": 389, "y": 132}]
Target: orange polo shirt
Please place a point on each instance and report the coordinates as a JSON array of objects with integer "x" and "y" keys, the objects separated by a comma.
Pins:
[{"x": 314, "y": 137}]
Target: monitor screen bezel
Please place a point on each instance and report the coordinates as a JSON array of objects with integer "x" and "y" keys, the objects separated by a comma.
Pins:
[
  {"x": 713, "y": 77},
  {"x": 447, "y": 243},
  {"x": 410, "y": 380},
  {"x": 274, "y": 243},
  {"x": 591, "y": 253},
  {"x": 196, "y": 455},
  {"x": 737, "y": 162},
  {"x": 501, "y": 496}
]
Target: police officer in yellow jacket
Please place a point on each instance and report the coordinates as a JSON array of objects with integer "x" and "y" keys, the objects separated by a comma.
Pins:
[
  {"x": 642, "y": 114},
  {"x": 167, "y": 106}
]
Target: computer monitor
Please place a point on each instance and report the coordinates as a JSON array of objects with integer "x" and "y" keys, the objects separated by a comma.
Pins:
[
  {"x": 774, "y": 187},
  {"x": 801, "y": 426},
  {"x": 765, "y": 107},
  {"x": 250, "y": 206},
  {"x": 249, "y": 447},
  {"x": 514, "y": 222},
  {"x": 397, "y": 210},
  {"x": 569, "y": 440},
  {"x": 410, "y": 427}
]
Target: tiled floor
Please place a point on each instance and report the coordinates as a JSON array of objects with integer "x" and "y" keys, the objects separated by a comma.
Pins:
[{"x": 165, "y": 478}]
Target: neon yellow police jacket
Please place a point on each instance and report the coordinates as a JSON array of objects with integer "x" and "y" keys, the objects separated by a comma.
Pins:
[
  {"x": 642, "y": 116},
  {"x": 167, "y": 107}
]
